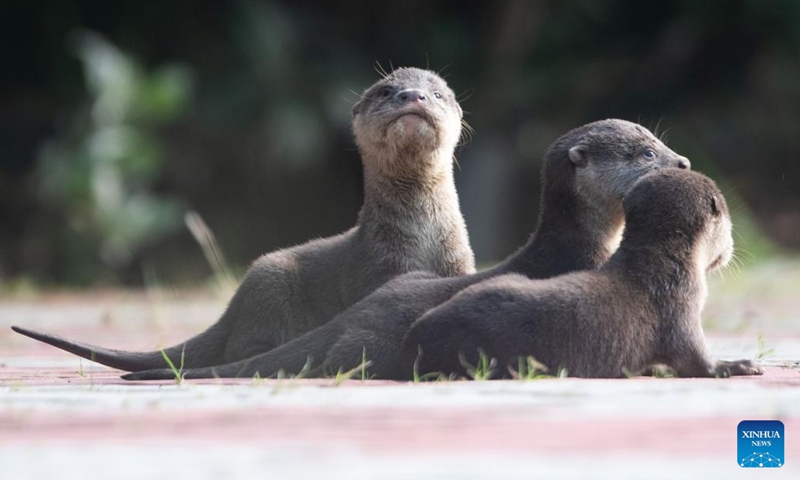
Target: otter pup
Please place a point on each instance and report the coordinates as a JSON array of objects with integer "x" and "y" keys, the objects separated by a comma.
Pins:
[
  {"x": 406, "y": 126},
  {"x": 642, "y": 307},
  {"x": 585, "y": 174}
]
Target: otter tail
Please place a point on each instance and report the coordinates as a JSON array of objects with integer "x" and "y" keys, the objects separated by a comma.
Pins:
[
  {"x": 303, "y": 354},
  {"x": 204, "y": 349}
]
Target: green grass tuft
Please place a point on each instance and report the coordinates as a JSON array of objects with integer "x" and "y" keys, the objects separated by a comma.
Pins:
[
  {"x": 484, "y": 370},
  {"x": 178, "y": 372},
  {"x": 763, "y": 351},
  {"x": 528, "y": 368},
  {"x": 341, "y": 376}
]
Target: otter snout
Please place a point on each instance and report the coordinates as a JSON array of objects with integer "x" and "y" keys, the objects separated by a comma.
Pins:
[
  {"x": 684, "y": 163},
  {"x": 410, "y": 95}
]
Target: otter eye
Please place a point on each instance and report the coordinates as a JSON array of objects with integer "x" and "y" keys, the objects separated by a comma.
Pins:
[
  {"x": 437, "y": 94},
  {"x": 386, "y": 92},
  {"x": 649, "y": 153}
]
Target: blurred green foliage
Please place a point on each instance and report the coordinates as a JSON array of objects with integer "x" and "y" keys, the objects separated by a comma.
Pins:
[
  {"x": 116, "y": 117},
  {"x": 98, "y": 175}
]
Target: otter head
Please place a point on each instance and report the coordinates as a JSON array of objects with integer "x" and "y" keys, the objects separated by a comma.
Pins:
[
  {"x": 609, "y": 156},
  {"x": 596, "y": 165},
  {"x": 407, "y": 119},
  {"x": 684, "y": 208}
]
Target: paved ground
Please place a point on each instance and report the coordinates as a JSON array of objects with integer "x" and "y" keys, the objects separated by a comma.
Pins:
[{"x": 64, "y": 418}]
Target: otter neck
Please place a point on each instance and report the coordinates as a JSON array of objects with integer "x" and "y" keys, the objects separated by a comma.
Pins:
[
  {"x": 572, "y": 233},
  {"x": 393, "y": 196},
  {"x": 662, "y": 268}
]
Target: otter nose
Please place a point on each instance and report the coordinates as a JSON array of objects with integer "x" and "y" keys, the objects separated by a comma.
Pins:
[
  {"x": 684, "y": 163},
  {"x": 411, "y": 96}
]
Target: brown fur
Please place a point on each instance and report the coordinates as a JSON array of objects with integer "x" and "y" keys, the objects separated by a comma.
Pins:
[
  {"x": 586, "y": 172},
  {"x": 406, "y": 126},
  {"x": 642, "y": 307}
]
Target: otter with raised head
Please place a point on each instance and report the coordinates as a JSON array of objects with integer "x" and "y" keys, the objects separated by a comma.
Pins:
[
  {"x": 642, "y": 307},
  {"x": 585, "y": 174},
  {"x": 406, "y": 126}
]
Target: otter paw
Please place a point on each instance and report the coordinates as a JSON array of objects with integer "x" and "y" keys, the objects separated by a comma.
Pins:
[{"x": 729, "y": 368}]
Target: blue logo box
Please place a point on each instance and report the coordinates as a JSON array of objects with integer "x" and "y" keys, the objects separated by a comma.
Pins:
[{"x": 760, "y": 444}]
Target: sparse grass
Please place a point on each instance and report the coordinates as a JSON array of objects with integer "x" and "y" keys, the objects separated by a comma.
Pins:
[
  {"x": 364, "y": 364},
  {"x": 208, "y": 243},
  {"x": 281, "y": 375},
  {"x": 434, "y": 377},
  {"x": 430, "y": 376},
  {"x": 19, "y": 287},
  {"x": 483, "y": 370},
  {"x": 81, "y": 372},
  {"x": 763, "y": 351},
  {"x": 341, "y": 376},
  {"x": 662, "y": 371},
  {"x": 762, "y": 298},
  {"x": 178, "y": 372},
  {"x": 415, "y": 372},
  {"x": 655, "y": 371},
  {"x": 528, "y": 368},
  {"x": 303, "y": 371}
]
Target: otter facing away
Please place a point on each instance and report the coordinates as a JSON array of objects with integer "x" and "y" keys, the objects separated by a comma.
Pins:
[
  {"x": 406, "y": 126},
  {"x": 642, "y": 307},
  {"x": 585, "y": 174}
]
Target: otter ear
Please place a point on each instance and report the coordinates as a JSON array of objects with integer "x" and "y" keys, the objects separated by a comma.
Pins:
[
  {"x": 579, "y": 155},
  {"x": 714, "y": 207}
]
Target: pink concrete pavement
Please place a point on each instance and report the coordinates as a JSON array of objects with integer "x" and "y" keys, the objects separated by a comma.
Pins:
[{"x": 52, "y": 406}]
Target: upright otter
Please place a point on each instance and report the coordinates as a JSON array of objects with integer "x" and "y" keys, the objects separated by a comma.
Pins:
[
  {"x": 642, "y": 307},
  {"x": 585, "y": 174},
  {"x": 406, "y": 127}
]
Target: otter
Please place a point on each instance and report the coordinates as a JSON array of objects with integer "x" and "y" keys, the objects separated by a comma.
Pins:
[
  {"x": 584, "y": 175},
  {"x": 641, "y": 308},
  {"x": 407, "y": 126}
]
